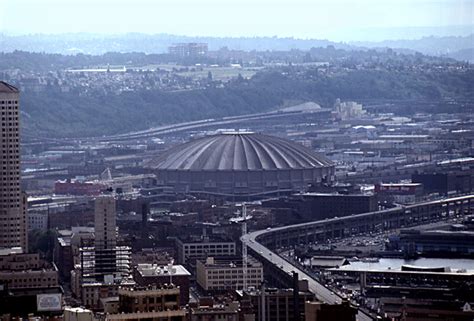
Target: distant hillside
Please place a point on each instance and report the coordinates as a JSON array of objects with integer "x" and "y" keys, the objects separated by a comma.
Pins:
[
  {"x": 463, "y": 55},
  {"x": 96, "y": 44},
  {"x": 460, "y": 48},
  {"x": 55, "y": 114},
  {"x": 136, "y": 42}
]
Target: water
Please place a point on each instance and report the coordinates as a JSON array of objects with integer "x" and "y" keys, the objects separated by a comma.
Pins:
[{"x": 395, "y": 264}]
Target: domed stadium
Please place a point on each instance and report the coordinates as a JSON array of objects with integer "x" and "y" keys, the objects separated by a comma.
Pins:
[{"x": 238, "y": 164}]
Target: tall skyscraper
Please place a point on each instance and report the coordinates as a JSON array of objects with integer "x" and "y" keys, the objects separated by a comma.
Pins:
[{"x": 13, "y": 223}]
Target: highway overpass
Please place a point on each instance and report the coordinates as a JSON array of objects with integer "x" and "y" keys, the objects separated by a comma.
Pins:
[{"x": 261, "y": 244}]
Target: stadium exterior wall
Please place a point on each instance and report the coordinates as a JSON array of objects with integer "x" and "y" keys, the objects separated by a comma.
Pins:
[{"x": 244, "y": 183}]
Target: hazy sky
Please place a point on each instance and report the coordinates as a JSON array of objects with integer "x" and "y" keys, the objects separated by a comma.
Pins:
[{"x": 332, "y": 19}]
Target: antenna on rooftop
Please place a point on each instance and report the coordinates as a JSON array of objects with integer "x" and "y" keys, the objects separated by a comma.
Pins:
[{"x": 171, "y": 270}]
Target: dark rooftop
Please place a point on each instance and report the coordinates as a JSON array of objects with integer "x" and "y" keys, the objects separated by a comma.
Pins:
[{"x": 7, "y": 88}]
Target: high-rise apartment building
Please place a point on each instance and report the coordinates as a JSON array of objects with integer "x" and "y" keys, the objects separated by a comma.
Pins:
[
  {"x": 105, "y": 261},
  {"x": 105, "y": 235},
  {"x": 13, "y": 223},
  {"x": 191, "y": 49},
  {"x": 105, "y": 223}
]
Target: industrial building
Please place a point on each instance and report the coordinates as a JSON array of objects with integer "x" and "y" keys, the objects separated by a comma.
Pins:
[
  {"x": 399, "y": 192},
  {"x": 435, "y": 242},
  {"x": 318, "y": 206},
  {"x": 413, "y": 293},
  {"x": 446, "y": 183}
]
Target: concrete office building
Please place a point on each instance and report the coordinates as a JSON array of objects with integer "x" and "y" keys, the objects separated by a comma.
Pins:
[
  {"x": 25, "y": 281},
  {"x": 226, "y": 273},
  {"x": 348, "y": 109},
  {"x": 26, "y": 271},
  {"x": 13, "y": 223},
  {"x": 191, "y": 250},
  {"x": 191, "y": 49},
  {"x": 37, "y": 221},
  {"x": 318, "y": 206}
]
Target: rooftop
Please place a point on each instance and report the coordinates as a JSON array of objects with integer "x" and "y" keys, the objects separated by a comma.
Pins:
[
  {"x": 314, "y": 194},
  {"x": 147, "y": 269},
  {"x": 10, "y": 250},
  {"x": 204, "y": 239},
  {"x": 271, "y": 291},
  {"x": 238, "y": 151},
  {"x": 216, "y": 309},
  {"x": 229, "y": 262},
  {"x": 400, "y": 184},
  {"x": 7, "y": 88},
  {"x": 149, "y": 290}
]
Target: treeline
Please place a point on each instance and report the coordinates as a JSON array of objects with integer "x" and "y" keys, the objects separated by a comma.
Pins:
[
  {"x": 46, "y": 62},
  {"x": 59, "y": 114},
  {"x": 157, "y": 43}
]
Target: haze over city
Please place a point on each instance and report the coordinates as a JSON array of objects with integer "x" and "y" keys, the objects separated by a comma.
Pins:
[{"x": 338, "y": 20}]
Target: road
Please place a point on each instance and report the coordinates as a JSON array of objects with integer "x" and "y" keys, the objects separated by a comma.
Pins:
[
  {"x": 201, "y": 124},
  {"x": 321, "y": 292}
]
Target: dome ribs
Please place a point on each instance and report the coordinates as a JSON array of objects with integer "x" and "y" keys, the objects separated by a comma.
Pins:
[
  {"x": 239, "y": 152},
  {"x": 262, "y": 156}
]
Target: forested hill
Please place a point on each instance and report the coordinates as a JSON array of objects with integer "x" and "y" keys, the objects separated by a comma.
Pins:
[{"x": 59, "y": 114}]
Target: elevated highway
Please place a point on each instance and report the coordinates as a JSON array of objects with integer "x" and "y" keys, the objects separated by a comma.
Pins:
[
  {"x": 262, "y": 243},
  {"x": 206, "y": 124}
]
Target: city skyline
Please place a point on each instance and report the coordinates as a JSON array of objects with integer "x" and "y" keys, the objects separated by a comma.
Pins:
[{"x": 224, "y": 160}]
